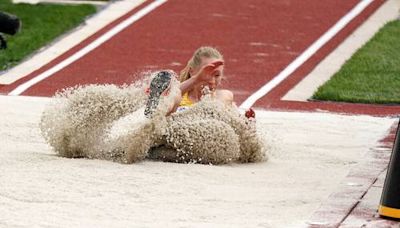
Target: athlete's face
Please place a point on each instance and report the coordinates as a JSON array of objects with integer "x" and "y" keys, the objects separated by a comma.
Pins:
[{"x": 216, "y": 74}]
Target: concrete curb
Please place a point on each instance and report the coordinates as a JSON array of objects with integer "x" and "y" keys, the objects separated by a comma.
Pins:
[{"x": 356, "y": 202}]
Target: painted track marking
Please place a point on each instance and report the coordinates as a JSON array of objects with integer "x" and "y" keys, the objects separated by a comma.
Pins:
[
  {"x": 310, "y": 51},
  {"x": 108, "y": 35}
]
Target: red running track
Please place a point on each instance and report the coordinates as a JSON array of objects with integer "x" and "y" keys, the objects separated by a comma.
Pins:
[{"x": 258, "y": 38}]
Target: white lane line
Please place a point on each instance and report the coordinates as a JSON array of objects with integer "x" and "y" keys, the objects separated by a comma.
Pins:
[
  {"x": 306, "y": 54},
  {"x": 118, "y": 28}
]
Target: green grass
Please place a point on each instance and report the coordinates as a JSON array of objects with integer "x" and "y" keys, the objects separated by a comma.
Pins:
[
  {"x": 41, "y": 24},
  {"x": 372, "y": 75}
]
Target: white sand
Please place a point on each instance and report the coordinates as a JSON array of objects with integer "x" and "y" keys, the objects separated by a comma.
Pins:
[{"x": 311, "y": 153}]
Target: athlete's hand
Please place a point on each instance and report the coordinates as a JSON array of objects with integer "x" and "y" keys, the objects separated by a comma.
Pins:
[
  {"x": 250, "y": 113},
  {"x": 206, "y": 71}
]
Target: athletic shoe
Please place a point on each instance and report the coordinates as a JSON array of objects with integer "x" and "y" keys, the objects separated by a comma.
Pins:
[{"x": 158, "y": 85}]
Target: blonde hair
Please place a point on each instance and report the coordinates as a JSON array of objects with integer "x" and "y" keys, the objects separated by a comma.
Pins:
[{"x": 195, "y": 61}]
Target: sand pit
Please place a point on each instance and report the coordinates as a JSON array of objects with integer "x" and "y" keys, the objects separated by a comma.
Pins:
[
  {"x": 311, "y": 153},
  {"x": 108, "y": 122}
]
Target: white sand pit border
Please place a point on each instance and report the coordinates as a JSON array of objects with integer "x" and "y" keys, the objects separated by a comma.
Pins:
[{"x": 311, "y": 153}]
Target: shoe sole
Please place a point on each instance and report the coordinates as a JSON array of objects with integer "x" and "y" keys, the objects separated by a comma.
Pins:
[{"x": 160, "y": 83}]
